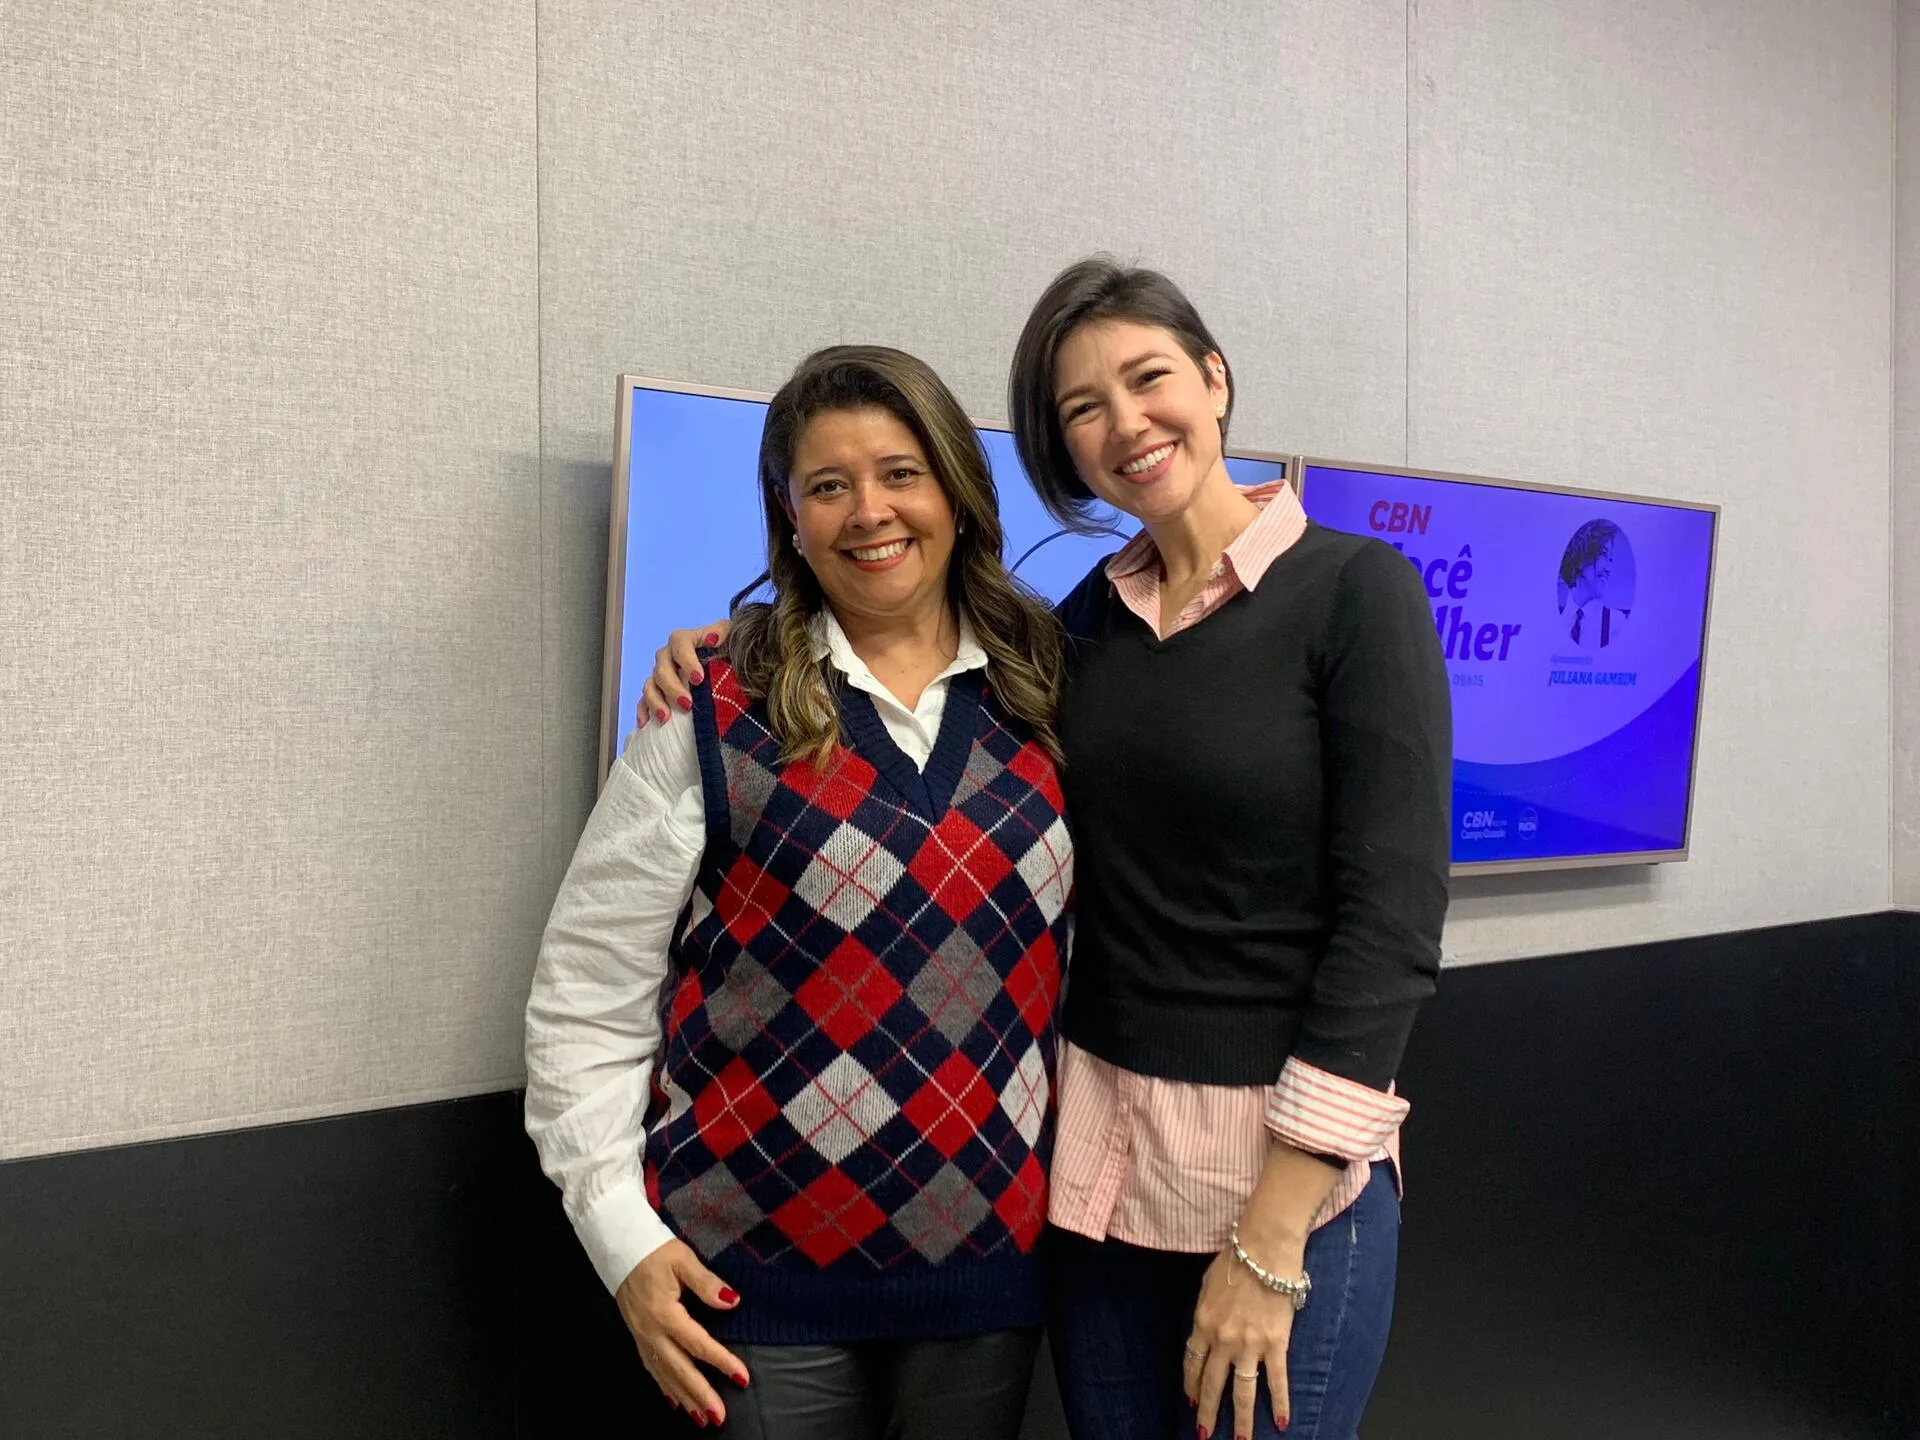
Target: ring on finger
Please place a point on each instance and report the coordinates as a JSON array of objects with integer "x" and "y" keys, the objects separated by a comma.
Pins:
[
  {"x": 1246, "y": 1375},
  {"x": 1198, "y": 1352}
]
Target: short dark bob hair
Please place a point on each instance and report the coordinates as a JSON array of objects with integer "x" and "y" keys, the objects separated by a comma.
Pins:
[{"x": 1087, "y": 291}]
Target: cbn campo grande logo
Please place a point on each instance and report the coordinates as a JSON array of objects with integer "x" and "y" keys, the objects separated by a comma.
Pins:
[{"x": 1596, "y": 584}]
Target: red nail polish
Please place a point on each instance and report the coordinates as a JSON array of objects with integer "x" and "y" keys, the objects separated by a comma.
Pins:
[
  {"x": 717, "y": 1419},
  {"x": 1193, "y": 1402},
  {"x": 741, "y": 1379},
  {"x": 729, "y": 1296},
  {"x": 662, "y": 714},
  {"x": 698, "y": 675},
  {"x": 685, "y": 702},
  {"x": 713, "y": 639}
]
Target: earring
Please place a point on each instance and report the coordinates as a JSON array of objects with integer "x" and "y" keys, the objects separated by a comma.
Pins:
[
  {"x": 960, "y": 526},
  {"x": 796, "y": 542},
  {"x": 1220, "y": 412}
]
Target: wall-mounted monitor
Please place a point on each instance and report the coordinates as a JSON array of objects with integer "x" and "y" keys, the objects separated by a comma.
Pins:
[
  {"x": 1574, "y": 625},
  {"x": 686, "y": 530}
]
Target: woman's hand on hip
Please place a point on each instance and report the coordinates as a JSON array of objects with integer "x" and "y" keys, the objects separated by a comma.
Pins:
[
  {"x": 669, "y": 1339},
  {"x": 676, "y": 665},
  {"x": 1239, "y": 1325}
]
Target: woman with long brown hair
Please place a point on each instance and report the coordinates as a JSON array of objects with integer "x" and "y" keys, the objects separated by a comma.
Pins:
[{"x": 791, "y": 1034}]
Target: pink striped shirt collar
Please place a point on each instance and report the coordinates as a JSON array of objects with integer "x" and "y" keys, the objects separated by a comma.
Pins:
[{"x": 1281, "y": 522}]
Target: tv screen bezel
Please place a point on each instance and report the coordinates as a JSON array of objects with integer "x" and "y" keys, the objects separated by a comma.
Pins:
[
  {"x": 1305, "y": 464},
  {"x": 617, "y": 519}
]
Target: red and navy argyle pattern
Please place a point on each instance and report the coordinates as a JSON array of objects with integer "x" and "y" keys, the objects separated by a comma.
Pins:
[{"x": 852, "y": 1112}]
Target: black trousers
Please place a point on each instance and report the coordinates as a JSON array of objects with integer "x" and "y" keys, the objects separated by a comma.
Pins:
[{"x": 973, "y": 1388}]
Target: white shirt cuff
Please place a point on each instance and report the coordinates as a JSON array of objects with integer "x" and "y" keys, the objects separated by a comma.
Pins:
[{"x": 619, "y": 1230}]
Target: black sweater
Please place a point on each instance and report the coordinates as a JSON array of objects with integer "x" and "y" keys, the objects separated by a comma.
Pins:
[{"x": 1261, "y": 811}]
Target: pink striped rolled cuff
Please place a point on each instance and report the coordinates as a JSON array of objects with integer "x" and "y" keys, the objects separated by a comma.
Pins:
[{"x": 1315, "y": 1110}]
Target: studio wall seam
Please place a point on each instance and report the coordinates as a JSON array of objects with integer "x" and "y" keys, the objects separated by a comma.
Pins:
[
  {"x": 539, "y": 401},
  {"x": 1903, "y": 566},
  {"x": 1408, "y": 73},
  {"x": 1895, "y": 371}
]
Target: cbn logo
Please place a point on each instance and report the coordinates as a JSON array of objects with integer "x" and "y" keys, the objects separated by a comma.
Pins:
[
  {"x": 1477, "y": 819},
  {"x": 1399, "y": 518}
]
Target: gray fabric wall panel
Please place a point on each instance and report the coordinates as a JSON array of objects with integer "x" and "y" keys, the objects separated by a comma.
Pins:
[
  {"x": 305, "y": 419},
  {"x": 723, "y": 189},
  {"x": 271, "y": 561},
  {"x": 1651, "y": 252},
  {"x": 1904, "y": 589}
]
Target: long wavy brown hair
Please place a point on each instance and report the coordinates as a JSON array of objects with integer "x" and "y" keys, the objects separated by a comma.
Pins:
[{"x": 771, "y": 646}]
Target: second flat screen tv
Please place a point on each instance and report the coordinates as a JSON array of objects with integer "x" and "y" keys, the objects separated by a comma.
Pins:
[{"x": 1574, "y": 625}]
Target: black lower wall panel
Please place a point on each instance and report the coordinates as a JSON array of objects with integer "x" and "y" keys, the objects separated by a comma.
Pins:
[
  {"x": 343, "y": 1278},
  {"x": 1665, "y": 1191}
]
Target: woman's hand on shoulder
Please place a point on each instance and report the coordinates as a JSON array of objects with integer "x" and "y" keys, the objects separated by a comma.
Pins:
[
  {"x": 676, "y": 667},
  {"x": 672, "y": 1344}
]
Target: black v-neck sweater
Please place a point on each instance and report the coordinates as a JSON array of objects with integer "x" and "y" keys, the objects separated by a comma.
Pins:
[{"x": 1261, "y": 812}]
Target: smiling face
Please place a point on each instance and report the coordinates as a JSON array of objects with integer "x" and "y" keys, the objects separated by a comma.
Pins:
[
  {"x": 1140, "y": 418},
  {"x": 872, "y": 518}
]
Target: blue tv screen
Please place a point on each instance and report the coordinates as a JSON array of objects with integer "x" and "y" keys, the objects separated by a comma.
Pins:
[
  {"x": 1574, "y": 626},
  {"x": 687, "y": 531}
]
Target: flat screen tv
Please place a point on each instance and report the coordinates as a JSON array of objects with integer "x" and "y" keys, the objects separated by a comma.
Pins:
[
  {"x": 686, "y": 530},
  {"x": 1574, "y": 624}
]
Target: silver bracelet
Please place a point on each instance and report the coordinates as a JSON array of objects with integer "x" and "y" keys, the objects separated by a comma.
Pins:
[{"x": 1296, "y": 1291}]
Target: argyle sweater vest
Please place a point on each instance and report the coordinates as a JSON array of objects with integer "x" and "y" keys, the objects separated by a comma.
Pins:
[{"x": 852, "y": 1117}]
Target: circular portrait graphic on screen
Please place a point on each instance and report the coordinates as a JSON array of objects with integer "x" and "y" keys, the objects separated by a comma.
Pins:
[{"x": 1596, "y": 584}]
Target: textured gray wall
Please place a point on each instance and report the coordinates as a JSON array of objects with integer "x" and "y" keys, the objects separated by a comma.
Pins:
[
  {"x": 269, "y": 560},
  {"x": 308, "y": 329},
  {"x": 1903, "y": 591}
]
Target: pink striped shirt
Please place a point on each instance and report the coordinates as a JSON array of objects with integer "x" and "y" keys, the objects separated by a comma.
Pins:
[{"x": 1170, "y": 1164}]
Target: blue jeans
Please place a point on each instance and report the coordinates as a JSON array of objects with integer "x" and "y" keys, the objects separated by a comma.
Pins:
[{"x": 1119, "y": 1316}]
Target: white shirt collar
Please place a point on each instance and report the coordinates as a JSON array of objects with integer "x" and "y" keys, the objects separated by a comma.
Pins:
[{"x": 830, "y": 643}]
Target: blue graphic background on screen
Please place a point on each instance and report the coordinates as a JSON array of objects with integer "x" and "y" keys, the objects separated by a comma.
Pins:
[
  {"x": 1573, "y": 629},
  {"x": 695, "y": 534}
]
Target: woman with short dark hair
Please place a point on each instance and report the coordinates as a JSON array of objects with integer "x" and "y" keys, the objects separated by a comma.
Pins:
[{"x": 1263, "y": 871}]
